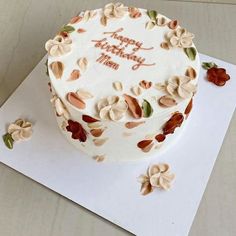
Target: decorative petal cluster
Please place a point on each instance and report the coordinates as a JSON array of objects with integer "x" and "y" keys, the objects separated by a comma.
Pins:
[
  {"x": 20, "y": 130},
  {"x": 158, "y": 176},
  {"x": 218, "y": 76},
  {"x": 180, "y": 38},
  {"x": 181, "y": 86},
  {"x": 77, "y": 130},
  {"x": 58, "y": 46},
  {"x": 60, "y": 107},
  {"x": 112, "y": 108},
  {"x": 114, "y": 10}
]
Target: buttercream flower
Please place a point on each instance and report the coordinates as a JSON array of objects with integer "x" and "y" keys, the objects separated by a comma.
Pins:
[
  {"x": 180, "y": 38},
  {"x": 218, "y": 76},
  {"x": 114, "y": 10},
  {"x": 58, "y": 46},
  {"x": 20, "y": 130},
  {"x": 181, "y": 86},
  {"x": 158, "y": 176},
  {"x": 112, "y": 108},
  {"x": 77, "y": 130},
  {"x": 60, "y": 107}
]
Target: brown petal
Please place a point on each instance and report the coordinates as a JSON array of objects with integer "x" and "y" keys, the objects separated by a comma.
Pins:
[
  {"x": 188, "y": 108},
  {"x": 131, "y": 125},
  {"x": 167, "y": 101},
  {"x": 165, "y": 45},
  {"x": 96, "y": 132},
  {"x": 89, "y": 119},
  {"x": 190, "y": 72},
  {"x": 75, "y": 74},
  {"x": 145, "y": 84},
  {"x": 103, "y": 20},
  {"x": 74, "y": 99},
  {"x": 160, "y": 138},
  {"x": 80, "y": 30},
  {"x": 99, "y": 142},
  {"x": 173, "y": 24},
  {"x": 99, "y": 158},
  {"x": 57, "y": 68},
  {"x": 133, "y": 106},
  {"x": 174, "y": 122},
  {"x": 146, "y": 188},
  {"x": 144, "y": 143},
  {"x": 75, "y": 19}
]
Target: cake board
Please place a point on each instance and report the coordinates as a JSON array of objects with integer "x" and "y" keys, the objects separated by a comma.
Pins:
[{"x": 109, "y": 189}]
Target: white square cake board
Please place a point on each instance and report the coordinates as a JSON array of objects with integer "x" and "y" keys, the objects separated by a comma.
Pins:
[{"x": 111, "y": 190}]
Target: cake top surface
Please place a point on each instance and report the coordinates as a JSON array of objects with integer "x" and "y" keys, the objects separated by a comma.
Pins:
[{"x": 121, "y": 64}]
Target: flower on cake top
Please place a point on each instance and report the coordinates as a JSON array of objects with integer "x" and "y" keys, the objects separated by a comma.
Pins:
[
  {"x": 20, "y": 130},
  {"x": 181, "y": 86},
  {"x": 114, "y": 10},
  {"x": 77, "y": 130},
  {"x": 112, "y": 108},
  {"x": 180, "y": 38},
  {"x": 158, "y": 176},
  {"x": 60, "y": 107},
  {"x": 58, "y": 46}
]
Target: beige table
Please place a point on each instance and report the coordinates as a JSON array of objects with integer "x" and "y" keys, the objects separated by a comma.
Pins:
[{"x": 27, "y": 208}]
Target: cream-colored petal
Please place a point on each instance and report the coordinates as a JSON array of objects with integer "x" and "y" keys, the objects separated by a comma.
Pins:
[
  {"x": 115, "y": 114},
  {"x": 174, "y": 41},
  {"x": 163, "y": 167},
  {"x": 104, "y": 113},
  {"x": 112, "y": 99},
  {"x": 146, "y": 188},
  {"x": 12, "y": 128},
  {"x": 102, "y": 103},
  {"x": 121, "y": 105},
  {"x": 16, "y": 135},
  {"x": 143, "y": 179},
  {"x": 154, "y": 169}
]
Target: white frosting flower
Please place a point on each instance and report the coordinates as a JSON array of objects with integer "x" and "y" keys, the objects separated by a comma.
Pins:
[
  {"x": 112, "y": 108},
  {"x": 60, "y": 107},
  {"x": 158, "y": 176},
  {"x": 180, "y": 86},
  {"x": 180, "y": 38},
  {"x": 58, "y": 46},
  {"x": 114, "y": 10},
  {"x": 20, "y": 130}
]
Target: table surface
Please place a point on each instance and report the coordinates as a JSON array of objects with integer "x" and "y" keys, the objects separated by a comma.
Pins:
[{"x": 29, "y": 209}]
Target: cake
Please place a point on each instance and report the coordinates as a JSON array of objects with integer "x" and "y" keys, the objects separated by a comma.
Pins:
[{"x": 122, "y": 81}]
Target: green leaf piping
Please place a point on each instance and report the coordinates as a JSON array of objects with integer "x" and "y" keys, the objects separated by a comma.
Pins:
[
  {"x": 152, "y": 15},
  {"x": 8, "y": 140},
  {"x": 67, "y": 29},
  {"x": 191, "y": 53},
  {"x": 208, "y": 65},
  {"x": 147, "y": 109}
]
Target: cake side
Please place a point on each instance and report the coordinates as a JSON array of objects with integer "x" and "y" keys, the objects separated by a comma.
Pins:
[{"x": 120, "y": 74}]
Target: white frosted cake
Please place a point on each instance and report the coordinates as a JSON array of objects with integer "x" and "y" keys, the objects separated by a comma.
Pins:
[{"x": 122, "y": 81}]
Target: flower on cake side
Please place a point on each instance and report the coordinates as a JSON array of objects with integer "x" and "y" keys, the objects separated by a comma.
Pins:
[
  {"x": 113, "y": 11},
  {"x": 77, "y": 130},
  {"x": 112, "y": 108},
  {"x": 217, "y": 76},
  {"x": 158, "y": 176},
  {"x": 20, "y": 130},
  {"x": 58, "y": 46}
]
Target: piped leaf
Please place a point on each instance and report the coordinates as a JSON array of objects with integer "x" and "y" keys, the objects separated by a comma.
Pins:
[
  {"x": 147, "y": 109},
  {"x": 208, "y": 65},
  {"x": 8, "y": 140},
  {"x": 67, "y": 29},
  {"x": 152, "y": 14},
  {"x": 191, "y": 53}
]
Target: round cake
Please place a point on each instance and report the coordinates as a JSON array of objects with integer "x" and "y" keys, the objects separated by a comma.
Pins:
[{"x": 122, "y": 81}]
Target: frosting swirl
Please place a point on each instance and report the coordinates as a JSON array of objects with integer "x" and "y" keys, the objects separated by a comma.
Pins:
[
  {"x": 111, "y": 108},
  {"x": 20, "y": 130},
  {"x": 114, "y": 10},
  {"x": 180, "y": 86},
  {"x": 58, "y": 46},
  {"x": 180, "y": 38}
]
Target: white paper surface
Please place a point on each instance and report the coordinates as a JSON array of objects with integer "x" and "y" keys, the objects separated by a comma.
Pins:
[{"x": 111, "y": 190}]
